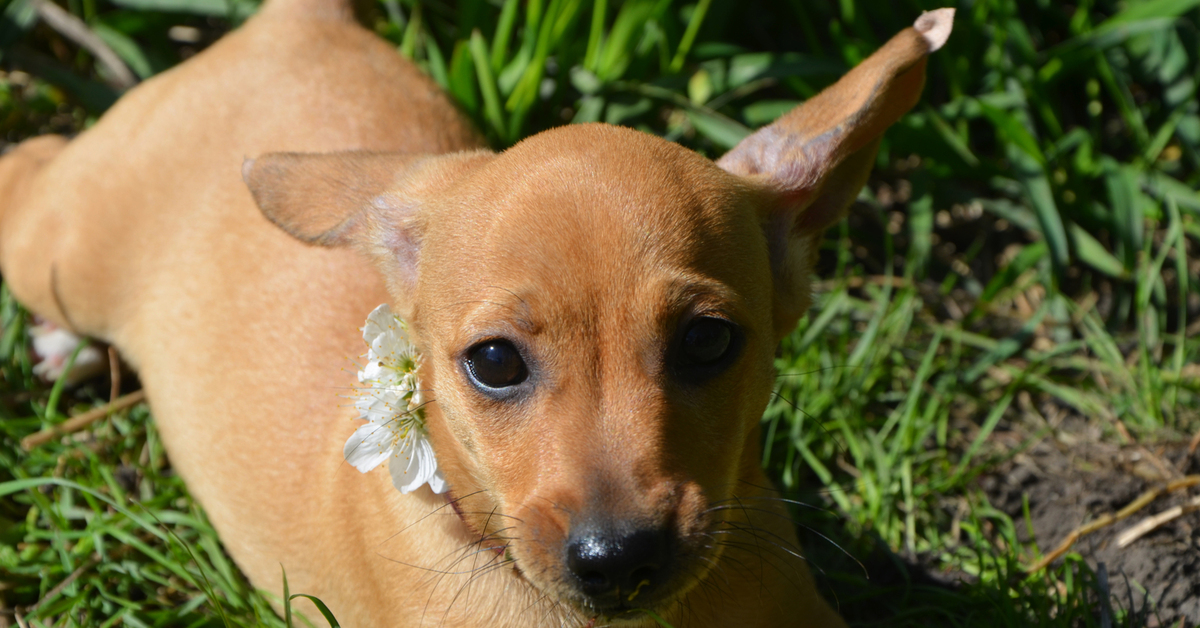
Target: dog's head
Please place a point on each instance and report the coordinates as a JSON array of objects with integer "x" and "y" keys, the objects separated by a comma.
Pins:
[{"x": 598, "y": 311}]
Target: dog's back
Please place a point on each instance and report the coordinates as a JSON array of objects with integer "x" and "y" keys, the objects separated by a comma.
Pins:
[
  {"x": 299, "y": 76},
  {"x": 141, "y": 232}
]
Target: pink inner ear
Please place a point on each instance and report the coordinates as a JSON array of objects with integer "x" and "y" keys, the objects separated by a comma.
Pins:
[
  {"x": 790, "y": 162},
  {"x": 392, "y": 225},
  {"x": 808, "y": 144}
]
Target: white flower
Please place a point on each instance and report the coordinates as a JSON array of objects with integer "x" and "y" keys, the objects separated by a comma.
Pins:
[{"x": 391, "y": 404}]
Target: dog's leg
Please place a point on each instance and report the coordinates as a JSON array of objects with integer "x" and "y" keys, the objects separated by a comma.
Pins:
[{"x": 26, "y": 233}]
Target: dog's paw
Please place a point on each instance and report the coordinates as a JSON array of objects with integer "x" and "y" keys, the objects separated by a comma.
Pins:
[{"x": 52, "y": 348}]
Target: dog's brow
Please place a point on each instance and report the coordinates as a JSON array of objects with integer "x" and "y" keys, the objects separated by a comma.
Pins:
[
  {"x": 521, "y": 315},
  {"x": 698, "y": 293}
]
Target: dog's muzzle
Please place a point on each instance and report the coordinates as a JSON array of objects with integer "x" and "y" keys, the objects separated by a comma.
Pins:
[{"x": 617, "y": 570}]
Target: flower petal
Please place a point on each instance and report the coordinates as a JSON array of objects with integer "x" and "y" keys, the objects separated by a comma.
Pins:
[
  {"x": 437, "y": 483},
  {"x": 368, "y": 447},
  {"x": 372, "y": 371},
  {"x": 413, "y": 465},
  {"x": 391, "y": 403},
  {"x": 392, "y": 345},
  {"x": 380, "y": 405},
  {"x": 378, "y": 322}
]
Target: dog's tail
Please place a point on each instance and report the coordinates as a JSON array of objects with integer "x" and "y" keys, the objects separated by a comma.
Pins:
[
  {"x": 18, "y": 166},
  {"x": 28, "y": 233}
]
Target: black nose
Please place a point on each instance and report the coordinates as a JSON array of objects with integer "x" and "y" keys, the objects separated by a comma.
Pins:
[{"x": 627, "y": 565}]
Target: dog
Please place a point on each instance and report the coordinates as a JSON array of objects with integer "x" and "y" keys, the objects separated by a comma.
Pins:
[{"x": 597, "y": 312}]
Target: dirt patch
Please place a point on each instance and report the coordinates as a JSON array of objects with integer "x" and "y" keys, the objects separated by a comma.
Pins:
[{"x": 1071, "y": 480}]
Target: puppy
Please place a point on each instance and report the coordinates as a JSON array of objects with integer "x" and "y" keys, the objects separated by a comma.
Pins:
[{"x": 628, "y": 293}]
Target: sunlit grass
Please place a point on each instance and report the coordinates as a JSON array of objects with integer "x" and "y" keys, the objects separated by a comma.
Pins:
[{"x": 1030, "y": 233}]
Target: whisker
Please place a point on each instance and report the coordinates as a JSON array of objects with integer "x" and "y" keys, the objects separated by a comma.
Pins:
[
  {"x": 828, "y": 434},
  {"x": 777, "y": 544},
  {"x": 449, "y": 503},
  {"x": 498, "y": 514},
  {"x": 768, "y": 560},
  {"x": 817, "y": 370},
  {"x": 778, "y": 498},
  {"x": 839, "y": 548},
  {"x": 749, "y": 509},
  {"x": 475, "y": 574},
  {"x": 765, "y": 560},
  {"x": 471, "y": 573},
  {"x": 536, "y": 601},
  {"x": 466, "y": 588},
  {"x": 466, "y": 552}
]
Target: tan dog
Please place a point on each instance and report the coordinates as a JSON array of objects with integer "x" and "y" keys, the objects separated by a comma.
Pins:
[{"x": 597, "y": 309}]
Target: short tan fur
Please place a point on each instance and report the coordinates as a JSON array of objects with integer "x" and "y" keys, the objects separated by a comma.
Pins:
[{"x": 229, "y": 225}]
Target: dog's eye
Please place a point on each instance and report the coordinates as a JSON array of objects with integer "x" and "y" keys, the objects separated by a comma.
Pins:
[
  {"x": 496, "y": 364},
  {"x": 706, "y": 343}
]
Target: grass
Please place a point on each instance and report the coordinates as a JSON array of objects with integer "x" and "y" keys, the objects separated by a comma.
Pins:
[{"x": 1027, "y": 246}]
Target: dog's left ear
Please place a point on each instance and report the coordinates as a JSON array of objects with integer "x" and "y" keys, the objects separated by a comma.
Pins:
[
  {"x": 815, "y": 159},
  {"x": 368, "y": 201}
]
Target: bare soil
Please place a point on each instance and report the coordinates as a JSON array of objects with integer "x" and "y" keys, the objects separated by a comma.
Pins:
[{"x": 1074, "y": 478}]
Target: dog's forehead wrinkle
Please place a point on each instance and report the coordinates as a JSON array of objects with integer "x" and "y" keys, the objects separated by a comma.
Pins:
[{"x": 588, "y": 173}]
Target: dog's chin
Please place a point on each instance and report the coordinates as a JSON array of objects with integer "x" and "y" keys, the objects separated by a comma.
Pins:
[{"x": 620, "y": 612}]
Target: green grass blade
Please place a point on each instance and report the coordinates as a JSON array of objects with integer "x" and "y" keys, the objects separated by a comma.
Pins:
[
  {"x": 1089, "y": 251},
  {"x": 1028, "y": 256},
  {"x": 655, "y": 616},
  {"x": 723, "y": 131},
  {"x": 1013, "y": 131},
  {"x": 96, "y": 97},
  {"x": 487, "y": 85},
  {"x": 866, "y": 343},
  {"x": 500, "y": 39},
  {"x": 903, "y": 417},
  {"x": 951, "y": 136},
  {"x": 920, "y": 227},
  {"x": 61, "y": 382},
  {"x": 833, "y": 307},
  {"x": 239, "y": 10},
  {"x": 1150, "y": 9},
  {"x": 1167, "y": 130},
  {"x": 689, "y": 36},
  {"x": 19, "y": 16},
  {"x": 287, "y": 599},
  {"x": 463, "y": 79},
  {"x": 1037, "y": 189},
  {"x": 1181, "y": 265},
  {"x": 436, "y": 64},
  {"x": 1127, "y": 218},
  {"x": 595, "y": 35},
  {"x": 985, "y": 430},
  {"x": 412, "y": 33},
  {"x": 1006, "y": 348},
  {"x": 325, "y": 612},
  {"x": 126, "y": 48}
]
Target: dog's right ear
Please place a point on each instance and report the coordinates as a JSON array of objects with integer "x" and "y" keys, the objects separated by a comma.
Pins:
[
  {"x": 369, "y": 201},
  {"x": 814, "y": 160}
]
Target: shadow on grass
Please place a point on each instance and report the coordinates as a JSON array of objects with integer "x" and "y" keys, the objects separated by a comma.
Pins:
[{"x": 871, "y": 585}]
